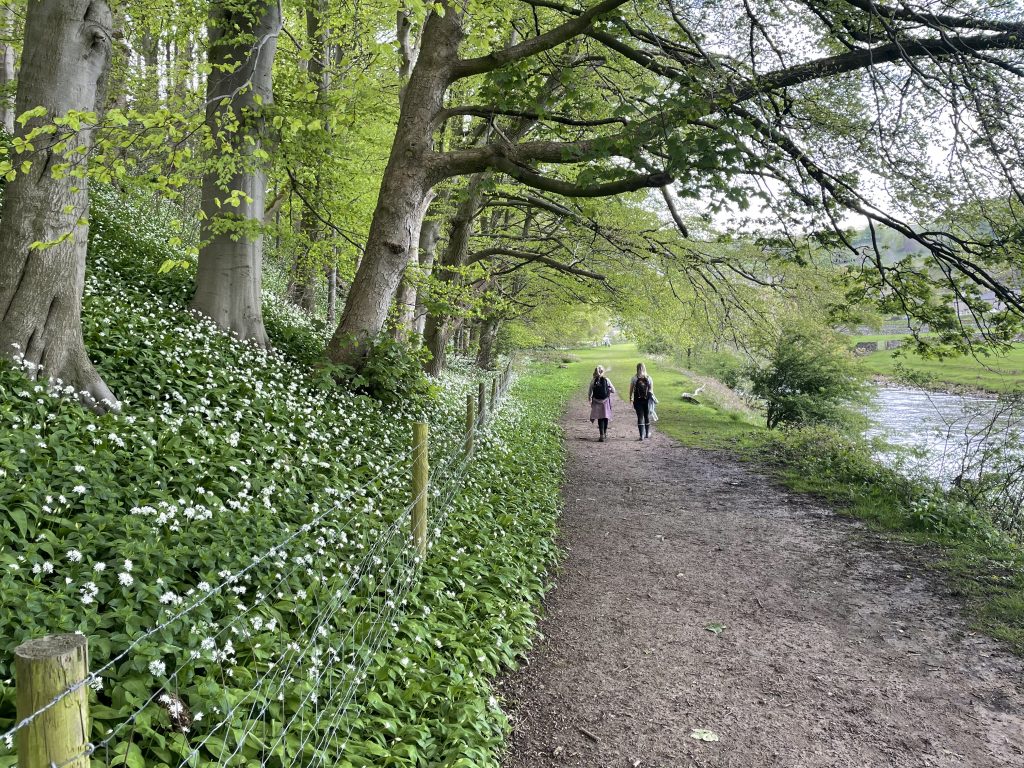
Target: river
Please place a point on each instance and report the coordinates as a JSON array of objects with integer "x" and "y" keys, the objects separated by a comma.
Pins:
[{"x": 944, "y": 427}]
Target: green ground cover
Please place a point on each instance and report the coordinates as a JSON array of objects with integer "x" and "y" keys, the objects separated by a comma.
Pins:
[
  {"x": 983, "y": 563},
  {"x": 237, "y": 537}
]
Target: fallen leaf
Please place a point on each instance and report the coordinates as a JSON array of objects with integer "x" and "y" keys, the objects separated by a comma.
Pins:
[
  {"x": 703, "y": 734},
  {"x": 716, "y": 628}
]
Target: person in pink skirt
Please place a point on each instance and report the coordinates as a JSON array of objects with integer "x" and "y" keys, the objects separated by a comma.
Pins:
[{"x": 600, "y": 397}]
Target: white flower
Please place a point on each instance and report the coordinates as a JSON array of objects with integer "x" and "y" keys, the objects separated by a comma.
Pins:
[
  {"x": 100, "y": 567},
  {"x": 78, "y": 489},
  {"x": 125, "y": 578},
  {"x": 157, "y": 668},
  {"x": 74, "y": 556},
  {"x": 128, "y": 565}
]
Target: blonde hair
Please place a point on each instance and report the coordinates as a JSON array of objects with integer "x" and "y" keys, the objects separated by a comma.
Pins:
[
  {"x": 641, "y": 369},
  {"x": 598, "y": 372}
]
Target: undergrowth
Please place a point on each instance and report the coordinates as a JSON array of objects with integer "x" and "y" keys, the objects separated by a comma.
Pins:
[{"x": 268, "y": 506}]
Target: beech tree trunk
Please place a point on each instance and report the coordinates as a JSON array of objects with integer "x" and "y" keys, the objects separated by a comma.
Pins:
[
  {"x": 430, "y": 233},
  {"x": 301, "y": 290},
  {"x": 486, "y": 352},
  {"x": 332, "y": 294},
  {"x": 7, "y": 73},
  {"x": 64, "y": 67},
  {"x": 438, "y": 326},
  {"x": 229, "y": 280},
  {"x": 394, "y": 231},
  {"x": 405, "y": 304}
]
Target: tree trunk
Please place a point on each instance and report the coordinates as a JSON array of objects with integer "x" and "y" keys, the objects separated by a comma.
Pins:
[
  {"x": 332, "y": 295},
  {"x": 455, "y": 253},
  {"x": 149, "y": 51},
  {"x": 230, "y": 275},
  {"x": 301, "y": 290},
  {"x": 64, "y": 67},
  {"x": 394, "y": 230},
  {"x": 405, "y": 302},
  {"x": 7, "y": 73},
  {"x": 486, "y": 352},
  {"x": 430, "y": 233}
]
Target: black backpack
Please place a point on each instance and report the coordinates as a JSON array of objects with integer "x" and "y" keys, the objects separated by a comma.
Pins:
[
  {"x": 601, "y": 389},
  {"x": 642, "y": 389}
]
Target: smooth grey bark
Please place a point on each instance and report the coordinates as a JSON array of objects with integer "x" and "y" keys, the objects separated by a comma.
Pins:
[
  {"x": 229, "y": 280},
  {"x": 332, "y": 294},
  {"x": 394, "y": 231},
  {"x": 486, "y": 353},
  {"x": 64, "y": 67},
  {"x": 302, "y": 286},
  {"x": 301, "y": 289},
  {"x": 149, "y": 63},
  {"x": 430, "y": 234},
  {"x": 405, "y": 305},
  {"x": 438, "y": 326},
  {"x": 7, "y": 73},
  {"x": 405, "y": 301}
]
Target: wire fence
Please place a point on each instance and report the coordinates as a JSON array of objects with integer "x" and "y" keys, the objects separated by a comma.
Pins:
[{"x": 297, "y": 703}]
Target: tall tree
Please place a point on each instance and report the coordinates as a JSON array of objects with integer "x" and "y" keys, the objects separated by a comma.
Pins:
[
  {"x": 43, "y": 222},
  {"x": 243, "y": 40},
  {"x": 8, "y": 57},
  {"x": 732, "y": 108}
]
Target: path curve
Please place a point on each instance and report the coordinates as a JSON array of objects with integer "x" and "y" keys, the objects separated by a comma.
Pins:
[{"x": 835, "y": 651}]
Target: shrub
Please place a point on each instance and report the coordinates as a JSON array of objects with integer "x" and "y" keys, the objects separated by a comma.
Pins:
[
  {"x": 808, "y": 379},
  {"x": 728, "y": 368},
  {"x": 392, "y": 370}
]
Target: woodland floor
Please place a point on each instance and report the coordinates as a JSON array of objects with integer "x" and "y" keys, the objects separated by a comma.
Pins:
[{"x": 837, "y": 649}]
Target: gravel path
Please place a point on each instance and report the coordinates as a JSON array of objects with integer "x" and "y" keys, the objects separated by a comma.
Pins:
[{"x": 835, "y": 652}]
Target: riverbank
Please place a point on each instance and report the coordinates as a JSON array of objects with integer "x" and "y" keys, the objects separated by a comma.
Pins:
[
  {"x": 995, "y": 374},
  {"x": 984, "y": 567}
]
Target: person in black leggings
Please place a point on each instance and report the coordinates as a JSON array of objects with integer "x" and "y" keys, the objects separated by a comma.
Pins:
[
  {"x": 641, "y": 387},
  {"x": 600, "y": 397}
]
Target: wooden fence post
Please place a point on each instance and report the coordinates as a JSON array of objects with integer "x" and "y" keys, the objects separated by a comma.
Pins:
[
  {"x": 481, "y": 404},
  {"x": 44, "y": 669},
  {"x": 494, "y": 394},
  {"x": 420, "y": 479},
  {"x": 470, "y": 422}
]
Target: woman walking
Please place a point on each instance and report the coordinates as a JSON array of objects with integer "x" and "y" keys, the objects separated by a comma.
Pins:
[
  {"x": 641, "y": 390},
  {"x": 600, "y": 397}
]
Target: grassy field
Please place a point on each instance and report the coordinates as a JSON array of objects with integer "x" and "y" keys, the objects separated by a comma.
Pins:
[
  {"x": 987, "y": 573},
  {"x": 1003, "y": 373}
]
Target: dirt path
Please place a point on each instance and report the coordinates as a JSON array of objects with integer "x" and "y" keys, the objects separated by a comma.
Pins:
[{"x": 835, "y": 653}]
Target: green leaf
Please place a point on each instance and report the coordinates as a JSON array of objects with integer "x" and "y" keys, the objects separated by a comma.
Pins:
[{"x": 703, "y": 734}]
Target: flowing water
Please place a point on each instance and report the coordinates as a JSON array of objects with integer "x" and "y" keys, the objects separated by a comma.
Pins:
[{"x": 945, "y": 428}]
